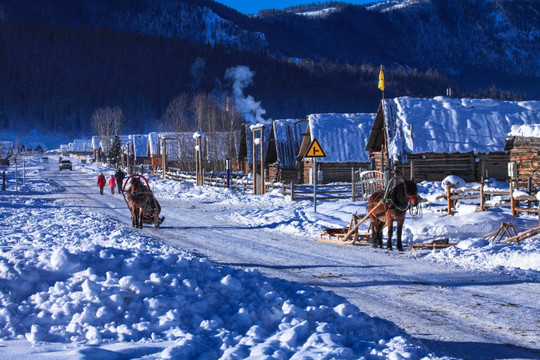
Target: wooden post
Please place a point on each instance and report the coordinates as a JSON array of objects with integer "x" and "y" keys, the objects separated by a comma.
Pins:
[
  {"x": 254, "y": 162},
  {"x": 449, "y": 201},
  {"x": 482, "y": 194},
  {"x": 164, "y": 158},
  {"x": 292, "y": 191},
  {"x": 412, "y": 167},
  {"x": 283, "y": 191},
  {"x": 262, "y": 160},
  {"x": 512, "y": 205},
  {"x": 352, "y": 183},
  {"x": 529, "y": 190}
]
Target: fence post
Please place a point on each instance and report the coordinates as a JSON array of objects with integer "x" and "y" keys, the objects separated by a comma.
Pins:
[
  {"x": 449, "y": 201},
  {"x": 292, "y": 191},
  {"x": 529, "y": 190},
  {"x": 283, "y": 191},
  {"x": 482, "y": 193},
  {"x": 352, "y": 183},
  {"x": 512, "y": 205}
]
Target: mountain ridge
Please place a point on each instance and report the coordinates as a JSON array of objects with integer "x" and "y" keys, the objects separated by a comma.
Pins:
[{"x": 63, "y": 60}]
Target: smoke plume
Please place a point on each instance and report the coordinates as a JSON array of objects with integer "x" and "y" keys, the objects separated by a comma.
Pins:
[{"x": 241, "y": 76}]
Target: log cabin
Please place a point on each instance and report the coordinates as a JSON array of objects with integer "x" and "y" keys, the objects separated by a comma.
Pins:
[
  {"x": 523, "y": 143},
  {"x": 429, "y": 139},
  {"x": 286, "y": 136},
  {"x": 343, "y": 139}
]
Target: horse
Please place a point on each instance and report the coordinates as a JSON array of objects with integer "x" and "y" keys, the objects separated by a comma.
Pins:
[
  {"x": 137, "y": 196},
  {"x": 385, "y": 207}
]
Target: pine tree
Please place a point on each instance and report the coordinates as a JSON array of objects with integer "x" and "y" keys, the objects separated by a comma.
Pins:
[{"x": 115, "y": 152}]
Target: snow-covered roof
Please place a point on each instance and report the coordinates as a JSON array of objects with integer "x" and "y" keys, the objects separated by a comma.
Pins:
[
  {"x": 140, "y": 145},
  {"x": 249, "y": 141},
  {"x": 154, "y": 140},
  {"x": 288, "y": 138},
  {"x": 342, "y": 136},
  {"x": 446, "y": 125},
  {"x": 532, "y": 130},
  {"x": 81, "y": 145},
  {"x": 96, "y": 141}
]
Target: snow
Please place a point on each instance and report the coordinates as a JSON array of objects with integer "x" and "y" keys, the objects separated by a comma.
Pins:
[
  {"x": 532, "y": 130},
  {"x": 343, "y": 137},
  {"x": 76, "y": 282},
  {"x": 318, "y": 13},
  {"x": 447, "y": 125}
]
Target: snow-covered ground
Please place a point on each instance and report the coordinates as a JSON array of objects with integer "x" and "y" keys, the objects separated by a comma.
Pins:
[{"x": 76, "y": 282}]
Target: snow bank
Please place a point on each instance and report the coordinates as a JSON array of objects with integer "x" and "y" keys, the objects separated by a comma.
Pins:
[{"x": 72, "y": 276}]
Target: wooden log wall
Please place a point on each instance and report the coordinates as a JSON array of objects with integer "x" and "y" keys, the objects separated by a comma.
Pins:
[
  {"x": 468, "y": 166},
  {"x": 525, "y": 151},
  {"x": 333, "y": 172},
  {"x": 436, "y": 167}
]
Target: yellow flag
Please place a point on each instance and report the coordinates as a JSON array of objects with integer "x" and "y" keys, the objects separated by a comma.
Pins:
[{"x": 381, "y": 80}]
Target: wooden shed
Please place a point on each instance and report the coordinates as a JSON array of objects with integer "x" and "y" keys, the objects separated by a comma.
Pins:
[
  {"x": 430, "y": 139},
  {"x": 286, "y": 136},
  {"x": 523, "y": 144},
  {"x": 343, "y": 139}
]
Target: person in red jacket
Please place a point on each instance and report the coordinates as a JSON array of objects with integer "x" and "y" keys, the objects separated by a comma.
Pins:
[
  {"x": 101, "y": 181},
  {"x": 112, "y": 184}
]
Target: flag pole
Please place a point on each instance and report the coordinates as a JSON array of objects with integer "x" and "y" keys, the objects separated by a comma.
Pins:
[{"x": 381, "y": 82}]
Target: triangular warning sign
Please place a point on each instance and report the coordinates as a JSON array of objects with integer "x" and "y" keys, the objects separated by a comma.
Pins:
[{"x": 315, "y": 150}]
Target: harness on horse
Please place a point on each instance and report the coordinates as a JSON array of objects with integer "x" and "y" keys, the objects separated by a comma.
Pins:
[{"x": 414, "y": 210}]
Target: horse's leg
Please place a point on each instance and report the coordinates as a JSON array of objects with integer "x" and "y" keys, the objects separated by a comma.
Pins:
[
  {"x": 399, "y": 245},
  {"x": 375, "y": 234},
  {"x": 390, "y": 224},
  {"x": 380, "y": 234},
  {"x": 140, "y": 223},
  {"x": 390, "y": 231},
  {"x": 133, "y": 216}
]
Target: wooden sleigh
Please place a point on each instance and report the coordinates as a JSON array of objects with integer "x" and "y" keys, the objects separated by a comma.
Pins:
[
  {"x": 433, "y": 245},
  {"x": 349, "y": 235},
  {"x": 153, "y": 208}
]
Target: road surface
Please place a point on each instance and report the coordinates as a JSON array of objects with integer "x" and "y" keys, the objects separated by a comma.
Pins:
[{"x": 465, "y": 314}]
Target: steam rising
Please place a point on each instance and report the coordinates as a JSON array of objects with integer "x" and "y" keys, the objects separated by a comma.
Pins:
[{"x": 241, "y": 76}]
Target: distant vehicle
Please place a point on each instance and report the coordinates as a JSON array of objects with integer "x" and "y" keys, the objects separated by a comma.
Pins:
[{"x": 65, "y": 164}]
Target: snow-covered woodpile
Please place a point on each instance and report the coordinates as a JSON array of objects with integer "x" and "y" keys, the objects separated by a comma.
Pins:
[{"x": 442, "y": 136}]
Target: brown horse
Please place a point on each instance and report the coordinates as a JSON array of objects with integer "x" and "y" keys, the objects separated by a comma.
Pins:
[
  {"x": 137, "y": 196},
  {"x": 391, "y": 206}
]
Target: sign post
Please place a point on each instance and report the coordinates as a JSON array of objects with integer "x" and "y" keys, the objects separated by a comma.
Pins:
[{"x": 315, "y": 151}]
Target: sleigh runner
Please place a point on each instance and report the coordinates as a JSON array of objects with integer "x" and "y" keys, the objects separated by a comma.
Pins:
[{"x": 152, "y": 208}]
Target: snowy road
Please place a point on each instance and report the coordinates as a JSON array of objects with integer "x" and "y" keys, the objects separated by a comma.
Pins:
[{"x": 458, "y": 313}]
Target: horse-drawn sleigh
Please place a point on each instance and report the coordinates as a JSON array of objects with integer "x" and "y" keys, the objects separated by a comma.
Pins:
[
  {"x": 384, "y": 207},
  {"x": 141, "y": 202}
]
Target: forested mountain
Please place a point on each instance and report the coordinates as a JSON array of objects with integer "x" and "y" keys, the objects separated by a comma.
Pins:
[{"x": 61, "y": 60}]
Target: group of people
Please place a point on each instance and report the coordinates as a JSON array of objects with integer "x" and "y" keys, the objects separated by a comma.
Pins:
[{"x": 116, "y": 179}]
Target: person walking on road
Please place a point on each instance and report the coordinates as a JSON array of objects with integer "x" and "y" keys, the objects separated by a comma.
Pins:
[
  {"x": 112, "y": 184},
  {"x": 120, "y": 175},
  {"x": 101, "y": 181}
]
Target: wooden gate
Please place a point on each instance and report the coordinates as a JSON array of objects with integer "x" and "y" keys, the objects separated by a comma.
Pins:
[{"x": 366, "y": 182}]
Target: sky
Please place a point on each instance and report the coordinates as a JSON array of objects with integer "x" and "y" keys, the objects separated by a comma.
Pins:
[{"x": 253, "y": 7}]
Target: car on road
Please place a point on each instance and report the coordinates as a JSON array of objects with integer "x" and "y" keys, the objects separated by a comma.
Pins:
[{"x": 65, "y": 164}]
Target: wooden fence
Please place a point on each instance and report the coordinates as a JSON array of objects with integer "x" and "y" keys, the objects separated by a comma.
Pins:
[
  {"x": 295, "y": 191},
  {"x": 484, "y": 195}
]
